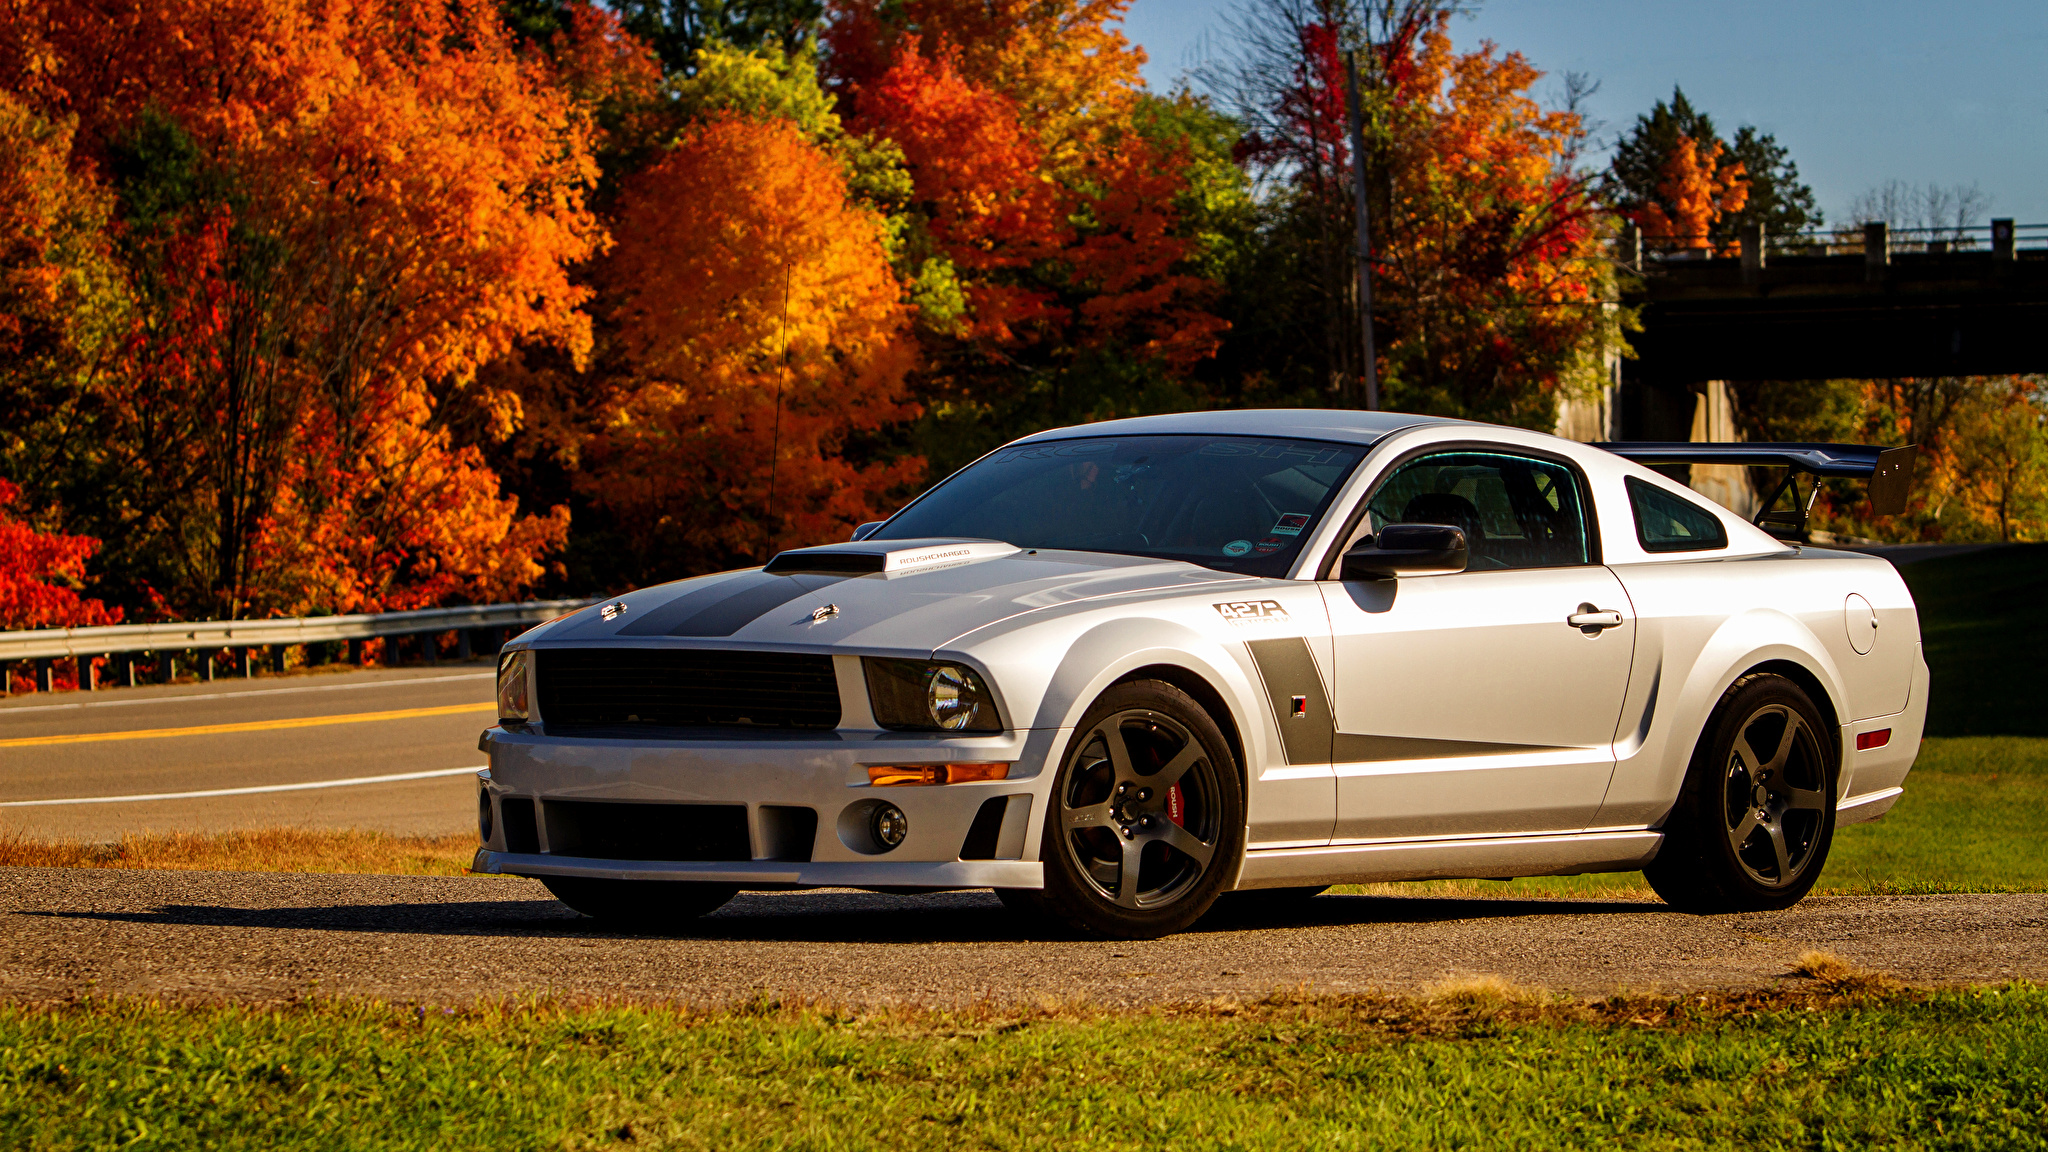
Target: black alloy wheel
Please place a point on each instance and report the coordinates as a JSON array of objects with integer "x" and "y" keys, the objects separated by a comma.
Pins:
[
  {"x": 1147, "y": 819},
  {"x": 1755, "y": 819},
  {"x": 640, "y": 905},
  {"x": 1773, "y": 795}
]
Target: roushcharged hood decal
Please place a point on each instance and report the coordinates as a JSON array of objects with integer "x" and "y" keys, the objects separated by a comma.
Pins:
[{"x": 913, "y": 610}]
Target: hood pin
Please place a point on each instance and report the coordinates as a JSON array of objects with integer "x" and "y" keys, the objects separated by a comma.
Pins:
[
  {"x": 613, "y": 610},
  {"x": 820, "y": 615}
]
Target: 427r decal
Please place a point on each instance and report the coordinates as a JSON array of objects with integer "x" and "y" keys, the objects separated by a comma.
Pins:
[{"x": 1252, "y": 611}]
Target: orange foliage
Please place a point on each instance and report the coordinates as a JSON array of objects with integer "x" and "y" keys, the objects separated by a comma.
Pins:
[
  {"x": 45, "y": 209},
  {"x": 1032, "y": 183},
  {"x": 407, "y": 521},
  {"x": 742, "y": 274},
  {"x": 605, "y": 69},
  {"x": 1072, "y": 75},
  {"x": 1700, "y": 189},
  {"x": 413, "y": 191},
  {"x": 1488, "y": 262},
  {"x": 36, "y": 571}
]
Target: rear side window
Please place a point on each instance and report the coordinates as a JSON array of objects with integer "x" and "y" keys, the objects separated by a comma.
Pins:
[{"x": 1668, "y": 523}]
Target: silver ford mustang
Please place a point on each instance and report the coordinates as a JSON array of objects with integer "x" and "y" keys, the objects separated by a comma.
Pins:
[{"x": 1116, "y": 671}]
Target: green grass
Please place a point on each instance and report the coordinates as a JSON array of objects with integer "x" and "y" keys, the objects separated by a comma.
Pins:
[
  {"x": 1984, "y": 619},
  {"x": 1974, "y": 819},
  {"x": 1478, "y": 1067}
]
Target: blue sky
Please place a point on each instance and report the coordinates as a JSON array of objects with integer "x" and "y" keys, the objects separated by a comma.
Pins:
[{"x": 1861, "y": 92}]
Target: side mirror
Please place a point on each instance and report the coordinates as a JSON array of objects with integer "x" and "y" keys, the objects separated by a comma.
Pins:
[
  {"x": 868, "y": 529},
  {"x": 1407, "y": 550}
]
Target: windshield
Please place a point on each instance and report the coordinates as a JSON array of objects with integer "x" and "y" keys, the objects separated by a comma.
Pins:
[{"x": 1237, "y": 503}]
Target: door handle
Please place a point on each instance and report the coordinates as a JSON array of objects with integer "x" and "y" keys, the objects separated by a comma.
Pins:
[{"x": 1592, "y": 621}]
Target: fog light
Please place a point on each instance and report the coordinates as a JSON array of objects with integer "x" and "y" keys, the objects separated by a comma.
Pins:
[
  {"x": 483, "y": 816},
  {"x": 889, "y": 825}
]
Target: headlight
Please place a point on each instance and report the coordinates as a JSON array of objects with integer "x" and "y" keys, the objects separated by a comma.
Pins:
[
  {"x": 512, "y": 707},
  {"x": 921, "y": 696}
]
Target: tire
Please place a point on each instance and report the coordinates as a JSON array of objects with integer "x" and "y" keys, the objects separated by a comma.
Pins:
[
  {"x": 1756, "y": 816},
  {"x": 1146, "y": 820},
  {"x": 639, "y": 904}
]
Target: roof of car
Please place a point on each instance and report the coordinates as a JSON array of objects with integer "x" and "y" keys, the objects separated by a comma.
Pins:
[{"x": 1343, "y": 424}]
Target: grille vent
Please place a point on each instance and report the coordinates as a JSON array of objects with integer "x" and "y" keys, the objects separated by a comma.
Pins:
[{"x": 639, "y": 690}]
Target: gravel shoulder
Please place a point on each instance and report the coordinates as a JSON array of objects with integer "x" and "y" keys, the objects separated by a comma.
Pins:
[{"x": 264, "y": 938}]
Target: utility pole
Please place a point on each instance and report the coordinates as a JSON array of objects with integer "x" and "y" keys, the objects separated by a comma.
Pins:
[{"x": 1372, "y": 368}]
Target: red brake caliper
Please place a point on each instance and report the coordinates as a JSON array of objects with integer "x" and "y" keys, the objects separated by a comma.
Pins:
[{"x": 1176, "y": 807}]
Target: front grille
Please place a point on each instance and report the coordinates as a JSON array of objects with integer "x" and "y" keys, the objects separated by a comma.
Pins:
[
  {"x": 664, "y": 688},
  {"x": 606, "y": 831}
]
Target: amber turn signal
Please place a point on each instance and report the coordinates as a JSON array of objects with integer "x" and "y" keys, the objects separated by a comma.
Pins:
[{"x": 887, "y": 775}]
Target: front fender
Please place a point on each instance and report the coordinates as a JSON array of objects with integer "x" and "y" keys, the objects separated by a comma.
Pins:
[
  {"x": 1093, "y": 660},
  {"x": 1105, "y": 652}
]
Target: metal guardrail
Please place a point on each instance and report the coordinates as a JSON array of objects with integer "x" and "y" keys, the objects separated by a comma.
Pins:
[{"x": 212, "y": 635}]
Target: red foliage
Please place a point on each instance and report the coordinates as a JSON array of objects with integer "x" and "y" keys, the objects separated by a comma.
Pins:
[
  {"x": 37, "y": 574},
  {"x": 1014, "y": 118}
]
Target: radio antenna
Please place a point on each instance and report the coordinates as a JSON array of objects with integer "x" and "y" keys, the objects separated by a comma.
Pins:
[{"x": 775, "y": 445}]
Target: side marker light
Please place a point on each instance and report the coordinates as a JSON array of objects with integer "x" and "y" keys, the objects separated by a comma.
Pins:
[
  {"x": 1865, "y": 741},
  {"x": 891, "y": 775}
]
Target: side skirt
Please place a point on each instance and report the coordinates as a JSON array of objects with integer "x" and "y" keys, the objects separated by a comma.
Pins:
[{"x": 1560, "y": 855}]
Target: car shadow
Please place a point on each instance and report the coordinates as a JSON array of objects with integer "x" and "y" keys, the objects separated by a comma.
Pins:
[{"x": 832, "y": 917}]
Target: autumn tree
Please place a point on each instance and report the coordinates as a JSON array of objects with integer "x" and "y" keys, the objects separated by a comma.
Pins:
[
  {"x": 1647, "y": 160},
  {"x": 1043, "y": 215},
  {"x": 2002, "y": 458},
  {"x": 1694, "y": 191},
  {"x": 333, "y": 213},
  {"x": 63, "y": 306},
  {"x": 1488, "y": 292},
  {"x": 751, "y": 336},
  {"x": 40, "y": 574},
  {"x": 756, "y": 305}
]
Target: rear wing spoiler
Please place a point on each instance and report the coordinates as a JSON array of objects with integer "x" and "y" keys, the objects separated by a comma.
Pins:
[{"x": 1889, "y": 471}]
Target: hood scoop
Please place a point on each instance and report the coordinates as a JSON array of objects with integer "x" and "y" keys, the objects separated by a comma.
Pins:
[{"x": 887, "y": 557}]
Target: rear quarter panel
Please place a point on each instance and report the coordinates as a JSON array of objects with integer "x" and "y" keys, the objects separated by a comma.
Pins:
[{"x": 1702, "y": 623}]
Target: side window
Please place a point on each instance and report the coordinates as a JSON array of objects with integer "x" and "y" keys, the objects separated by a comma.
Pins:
[
  {"x": 1670, "y": 523},
  {"x": 1517, "y": 511}
]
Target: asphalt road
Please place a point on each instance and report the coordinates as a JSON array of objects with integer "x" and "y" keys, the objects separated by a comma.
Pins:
[
  {"x": 268, "y": 938},
  {"x": 278, "y": 734}
]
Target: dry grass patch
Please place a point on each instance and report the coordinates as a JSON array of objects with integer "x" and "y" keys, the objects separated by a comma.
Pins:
[
  {"x": 260, "y": 850},
  {"x": 1840, "y": 977}
]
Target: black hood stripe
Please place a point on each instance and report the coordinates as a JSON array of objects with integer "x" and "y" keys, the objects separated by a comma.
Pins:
[{"x": 728, "y": 606}]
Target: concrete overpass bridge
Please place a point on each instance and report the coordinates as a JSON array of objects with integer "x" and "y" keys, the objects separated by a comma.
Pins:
[{"x": 1873, "y": 302}]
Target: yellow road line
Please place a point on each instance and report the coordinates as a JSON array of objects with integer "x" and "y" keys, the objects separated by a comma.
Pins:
[{"x": 248, "y": 726}]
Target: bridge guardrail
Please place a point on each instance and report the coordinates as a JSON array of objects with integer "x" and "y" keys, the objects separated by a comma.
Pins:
[{"x": 48, "y": 644}]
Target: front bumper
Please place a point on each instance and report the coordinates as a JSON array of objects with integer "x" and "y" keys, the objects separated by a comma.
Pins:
[
  {"x": 775, "y": 873},
  {"x": 771, "y": 785}
]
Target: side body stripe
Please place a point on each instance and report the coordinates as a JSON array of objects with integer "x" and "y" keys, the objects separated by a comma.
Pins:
[{"x": 1301, "y": 708}]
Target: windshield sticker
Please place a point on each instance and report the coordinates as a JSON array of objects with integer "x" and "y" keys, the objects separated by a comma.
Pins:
[
  {"x": 1269, "y": 545},
  {"x": 1291, "y": 524},
  {"x": 1269, "y": 450},
  {"x": 1054, "y": 450},
  {"x": 1252, "y": 611},
  {"x": 1237, "y": 547}
]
